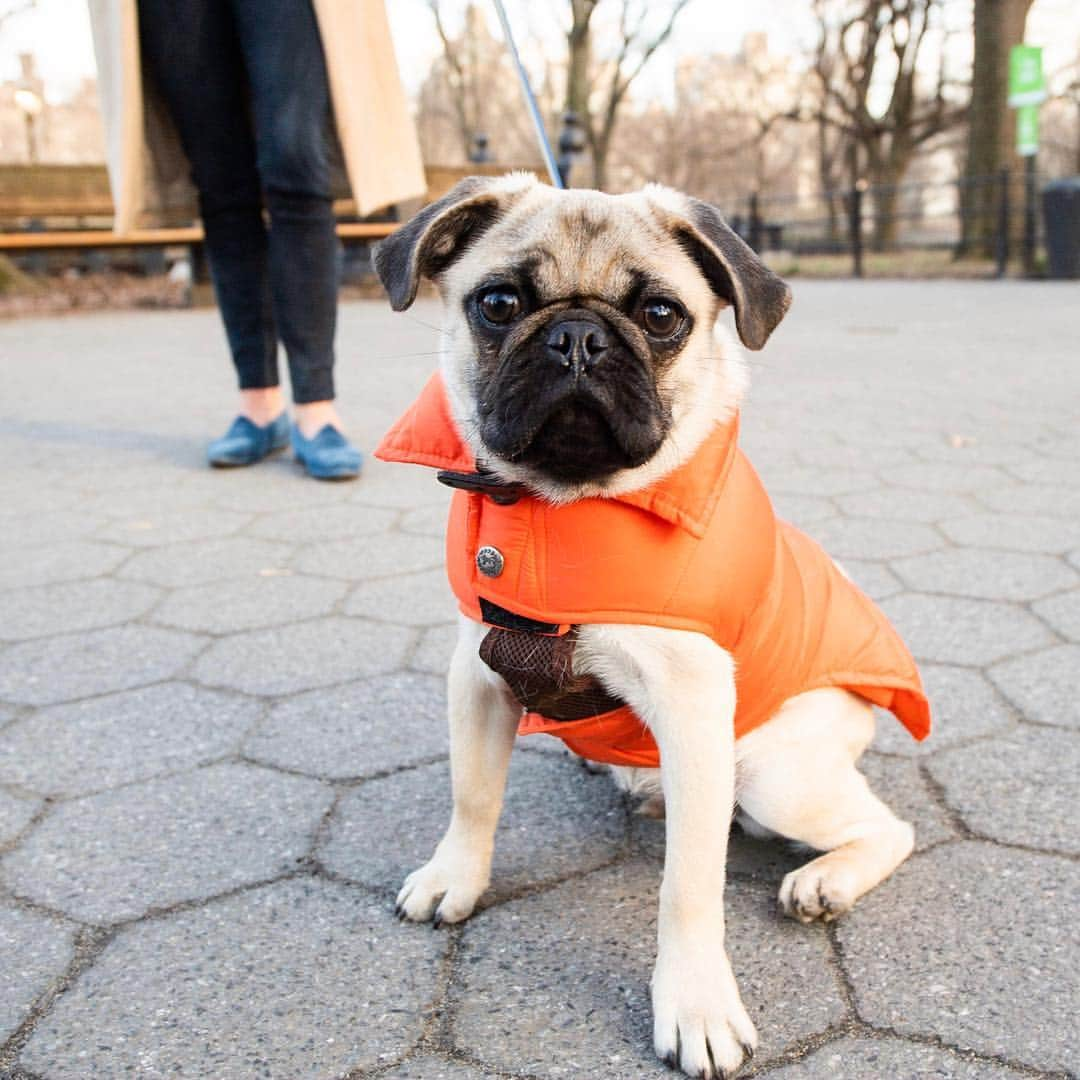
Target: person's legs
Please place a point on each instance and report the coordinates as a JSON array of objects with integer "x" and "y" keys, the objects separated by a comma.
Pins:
[
  {"x": 192, "y": 54},
  {"x": 291, "y": 101}
]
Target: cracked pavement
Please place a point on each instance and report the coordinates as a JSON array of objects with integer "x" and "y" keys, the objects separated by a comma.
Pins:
[{"x": 222, "y": 740}]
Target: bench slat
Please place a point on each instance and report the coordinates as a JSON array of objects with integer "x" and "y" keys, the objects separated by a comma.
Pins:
[{"x": 103, "y": 238}]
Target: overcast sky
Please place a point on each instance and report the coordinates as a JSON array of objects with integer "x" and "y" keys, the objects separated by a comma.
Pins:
[{"x": 58, "y": 33}]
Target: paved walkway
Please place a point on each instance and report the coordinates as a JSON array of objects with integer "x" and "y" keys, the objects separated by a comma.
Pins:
[{"x": 222, "y": 742}]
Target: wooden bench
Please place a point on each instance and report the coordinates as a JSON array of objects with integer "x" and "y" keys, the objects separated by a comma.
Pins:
[
  {"x": 58, "y": 239},
  {"x": 44, "y": 193}
]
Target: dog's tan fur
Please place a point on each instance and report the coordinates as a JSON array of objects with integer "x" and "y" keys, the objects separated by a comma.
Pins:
[{"x": 795, "y": 776}]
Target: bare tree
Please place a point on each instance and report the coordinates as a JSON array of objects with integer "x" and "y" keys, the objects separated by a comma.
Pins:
[
  {"x": 868, "y": 63},
  {"x": 999, "y": 24},
  {"x": 465, "y": 94},
  {"x": 596, "y": 91},
  {"x": 461, "y": 75}
]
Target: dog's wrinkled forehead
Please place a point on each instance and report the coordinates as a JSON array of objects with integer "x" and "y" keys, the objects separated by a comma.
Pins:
[{"x": 580, "y": 244}]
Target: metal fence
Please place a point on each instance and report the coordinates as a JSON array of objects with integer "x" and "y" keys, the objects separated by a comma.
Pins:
[{"x": 981, "y": 226}]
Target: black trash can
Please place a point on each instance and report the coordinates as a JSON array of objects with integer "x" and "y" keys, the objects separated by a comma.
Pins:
[{"x": 1061, "y": 216}]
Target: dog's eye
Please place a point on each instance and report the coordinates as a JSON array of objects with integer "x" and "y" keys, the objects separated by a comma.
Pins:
[
  {"x": 500, "y": 305},
  {"x": 661, "y": 318}
]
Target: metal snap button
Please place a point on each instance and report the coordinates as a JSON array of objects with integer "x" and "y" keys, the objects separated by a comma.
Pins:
[{"x": 489, "y": 561}]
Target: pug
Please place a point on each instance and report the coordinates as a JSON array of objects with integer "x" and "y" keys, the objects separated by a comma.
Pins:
[{"x": 622, "y": 579}]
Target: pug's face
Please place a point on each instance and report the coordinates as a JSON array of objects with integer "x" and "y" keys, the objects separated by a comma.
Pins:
[{"x": 579, "y": 351}]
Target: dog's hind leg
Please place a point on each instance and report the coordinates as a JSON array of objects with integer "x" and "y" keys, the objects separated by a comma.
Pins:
[{"x": 797, "y": 778}]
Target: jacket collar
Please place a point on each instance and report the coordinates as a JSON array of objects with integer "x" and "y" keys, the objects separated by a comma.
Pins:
[{"x": 427, "y": 435}]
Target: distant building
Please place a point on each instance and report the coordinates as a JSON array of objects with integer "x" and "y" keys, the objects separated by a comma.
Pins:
[{"x": 32, "y": 128}]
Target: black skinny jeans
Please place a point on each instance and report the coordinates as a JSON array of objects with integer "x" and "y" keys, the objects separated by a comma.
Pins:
[{"x": 245, "y": 83}]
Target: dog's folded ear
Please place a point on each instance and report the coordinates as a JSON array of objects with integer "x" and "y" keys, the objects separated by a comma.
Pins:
[
  {"x": 430, "y": 241},
  {"x": 734, "y": 271}
]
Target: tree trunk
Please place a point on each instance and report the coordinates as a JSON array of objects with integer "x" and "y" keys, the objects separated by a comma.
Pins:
[
  {"x": 884, "y": 196},
  {"x": 579, "y": 48},
  {"x": 999, "y": 24}
]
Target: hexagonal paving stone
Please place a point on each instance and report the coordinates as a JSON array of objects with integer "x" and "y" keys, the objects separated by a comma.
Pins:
[
  {"x": 55, "y": 526},
  {"x": 249, "y": 603},
  {"x": 114, "y": 856},
  {"x": 1048, "y": 471},
  {"x": 372, "y": 556},
  {"x": 279, "y": 484},
  {"x": 1051, "y": 501},
  {"x": 333, "y": 522},
  {"x": 133, "y": 735},
  {"x": 952, "y": 630},
  {"x": 1062, "y": 613},
  {"x": 964, "y": 706},
  {"x": 803, "y": 510},
  {"x": 854, "y": 538},
  {"x": 855, "y": 457},
  {"x": 812, "y": 480},
  {"x": 202, "y": 562},
  {"x": 875, "y": 579},
  {"x": 394, "y": 485},
  {"x": 557, "y": 984},
  {"x": 898, "y": 504},
  {"x": 16, "y": 812},
  {"x": 32, "y": 491},
  {"x": 936, "y": 476},
  {"x": 358, "y": 730},
  {"x": 110, "y": 473},
  {"x": 195, "y": 523},
  {"x": 1015, "y": 532},
  {"x": 558, "y": 819},
  {"x": 435, "y": 649},
  {"x": 987, "y": 575},
  {"x": 51, "y": 563},
  {"x": 96, "y": 662},
  {"x": 1019, "y": 788},
  {"x": 301, "y": 980},
  {"x": 321, "y": 652},
  {"x": 1044, "y": 686},
  {"x": 1067, "y": 447},
  {"x": 980, "y": 452},
  {"x": 433, "y": 1068},
  {"x": 864, "y": 1058},
  {"x": 34, "y": 951},
  {"x": 414, "y": 599},
  {"x": 867, "y": 430},
  {"x": 971, "y": 943},
  {"x": 70, "y": 606},
  {"x": 132, "y": 504},
  {"x": 426, "y": 521}
]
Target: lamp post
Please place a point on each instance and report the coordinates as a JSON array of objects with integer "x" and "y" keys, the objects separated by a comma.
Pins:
[
  {"x": 30, "y": 105},
  {"x": 571, "y": 144},
  {"x": 479, "y": 152}
]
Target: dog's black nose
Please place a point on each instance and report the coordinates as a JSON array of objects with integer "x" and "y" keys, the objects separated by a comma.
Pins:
[{"x": 577, "y": 344}]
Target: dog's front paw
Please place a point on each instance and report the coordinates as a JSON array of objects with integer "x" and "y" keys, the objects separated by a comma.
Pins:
[
  {"x": 444, "y": 890},
  {"x": 699, "y": 1023}
]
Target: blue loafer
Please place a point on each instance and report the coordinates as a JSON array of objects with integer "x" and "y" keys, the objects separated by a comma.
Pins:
[
  {"x": 328, "y": 456},
  {"x": 246, "y": 443}
]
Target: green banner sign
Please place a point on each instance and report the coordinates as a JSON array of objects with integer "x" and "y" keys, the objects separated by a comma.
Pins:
[
  {"x": 1027, "y": 130},
  {"x": 1027, "y": 85}
]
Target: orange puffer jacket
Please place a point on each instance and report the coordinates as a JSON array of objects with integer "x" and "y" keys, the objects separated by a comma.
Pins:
[{"x": 699, "y": 550}]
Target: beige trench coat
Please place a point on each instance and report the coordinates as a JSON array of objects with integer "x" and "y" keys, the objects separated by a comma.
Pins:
[{"x": 149, "y": 174}]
